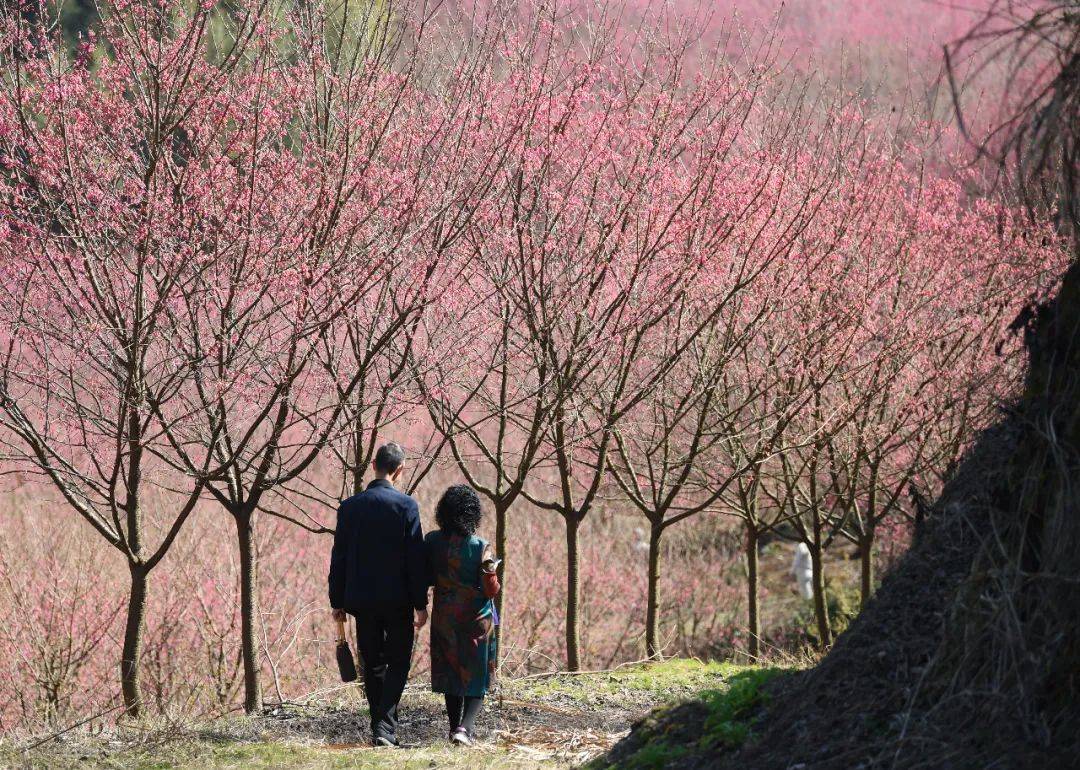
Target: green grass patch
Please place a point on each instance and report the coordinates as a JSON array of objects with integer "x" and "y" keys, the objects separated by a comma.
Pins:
[
  {"x": 717, "y": 718},
  {"x": 731, "y": 710},
  {"x": 654, "y": 756},
  {"x": 672, "y": 678}
]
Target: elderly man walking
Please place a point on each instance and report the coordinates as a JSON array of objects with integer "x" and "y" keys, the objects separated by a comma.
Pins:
[{"x": 378, "y": 574}]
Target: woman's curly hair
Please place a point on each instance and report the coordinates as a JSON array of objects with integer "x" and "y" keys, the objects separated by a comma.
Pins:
[{"x": 459, "y": 512}]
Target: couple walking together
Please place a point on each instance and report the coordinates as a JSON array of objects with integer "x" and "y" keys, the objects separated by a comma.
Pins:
[{"x": 380, "y": 569}]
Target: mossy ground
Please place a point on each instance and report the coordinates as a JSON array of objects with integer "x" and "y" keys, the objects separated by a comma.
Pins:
[
  {"x": 668, "y": 680},
  {"x": 717, "y": 719},
  {"x": 555, "y": 721}
]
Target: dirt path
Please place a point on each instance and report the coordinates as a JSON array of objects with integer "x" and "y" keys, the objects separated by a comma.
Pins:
[
  {"x": 544, "y": 722},
  {"x": 556, "y": 728}
]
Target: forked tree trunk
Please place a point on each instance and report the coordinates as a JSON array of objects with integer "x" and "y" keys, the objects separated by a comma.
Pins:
[
  {"x": 249, "y": 611},
  {"x": 573, "y": 524},
  {"x": 131, "y": 655},
  {"x": 652, "y": 611},
  {"x": 753, "y": 620}
]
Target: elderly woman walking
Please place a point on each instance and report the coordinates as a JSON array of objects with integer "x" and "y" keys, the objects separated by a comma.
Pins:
[{"x": 463, "y": 571}]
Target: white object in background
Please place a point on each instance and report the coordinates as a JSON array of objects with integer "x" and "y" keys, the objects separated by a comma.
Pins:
[{"x": 803, "y": 571}]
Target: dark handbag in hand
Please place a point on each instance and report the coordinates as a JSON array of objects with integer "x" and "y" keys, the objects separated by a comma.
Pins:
[{"x": 345, "y": 662}]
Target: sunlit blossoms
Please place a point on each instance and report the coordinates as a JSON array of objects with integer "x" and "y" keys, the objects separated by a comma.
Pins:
[{"x": 616, "y": 280}]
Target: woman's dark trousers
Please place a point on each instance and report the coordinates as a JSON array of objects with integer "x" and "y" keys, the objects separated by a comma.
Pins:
[{"x": 462, "y": 711}]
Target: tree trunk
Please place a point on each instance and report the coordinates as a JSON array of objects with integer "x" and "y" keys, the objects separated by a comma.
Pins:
[
  {"x": 652, "y": 612},
  {"x": 573, "y": 523},
  {"x": 500, "y": 553},
  {"x": 357, "y": 469},
  {"x": 866, "y": 565},
  {"x": 753, "y": 620},
  {"x": 249, "y": 611},
  {"x": 130, "y": 660},
  {"x": 821, "y": 609}
]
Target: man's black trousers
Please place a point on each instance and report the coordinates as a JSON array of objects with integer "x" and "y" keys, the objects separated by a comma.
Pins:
[{"x": 384, "y": 638}]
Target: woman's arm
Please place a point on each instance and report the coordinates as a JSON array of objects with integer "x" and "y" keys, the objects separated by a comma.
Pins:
[
  {"x": 489, "y": 581},
  {"x": 489, "y": 577}
]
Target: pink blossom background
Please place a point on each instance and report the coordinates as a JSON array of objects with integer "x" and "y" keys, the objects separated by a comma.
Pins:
[{"x": 62, "y": 592}]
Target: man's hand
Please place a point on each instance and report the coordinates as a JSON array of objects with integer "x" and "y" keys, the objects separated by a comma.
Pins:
[
  {"x": 338, "y": 615},
  {"x": 419, "y": 619}
]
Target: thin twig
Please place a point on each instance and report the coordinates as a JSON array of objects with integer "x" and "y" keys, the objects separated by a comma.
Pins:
[{"x": 69, "y": 728}]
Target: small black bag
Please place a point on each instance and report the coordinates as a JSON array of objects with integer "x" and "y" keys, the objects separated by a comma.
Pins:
[{"x": 345, "y": 662}]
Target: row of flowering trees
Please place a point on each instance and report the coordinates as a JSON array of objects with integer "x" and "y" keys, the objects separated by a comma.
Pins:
[{"x": 242, "y": 241}]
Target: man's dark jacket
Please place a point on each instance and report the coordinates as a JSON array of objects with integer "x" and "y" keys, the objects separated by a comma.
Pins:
[{"x": 378, "y": 559}]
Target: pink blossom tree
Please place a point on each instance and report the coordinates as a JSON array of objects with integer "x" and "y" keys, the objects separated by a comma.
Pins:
[
  {"x": 608, "y": 242},
  {"x": 356, "y": 182},
  {"x": 103, "y": 214},
  {"x": 490, "y": 398}
]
